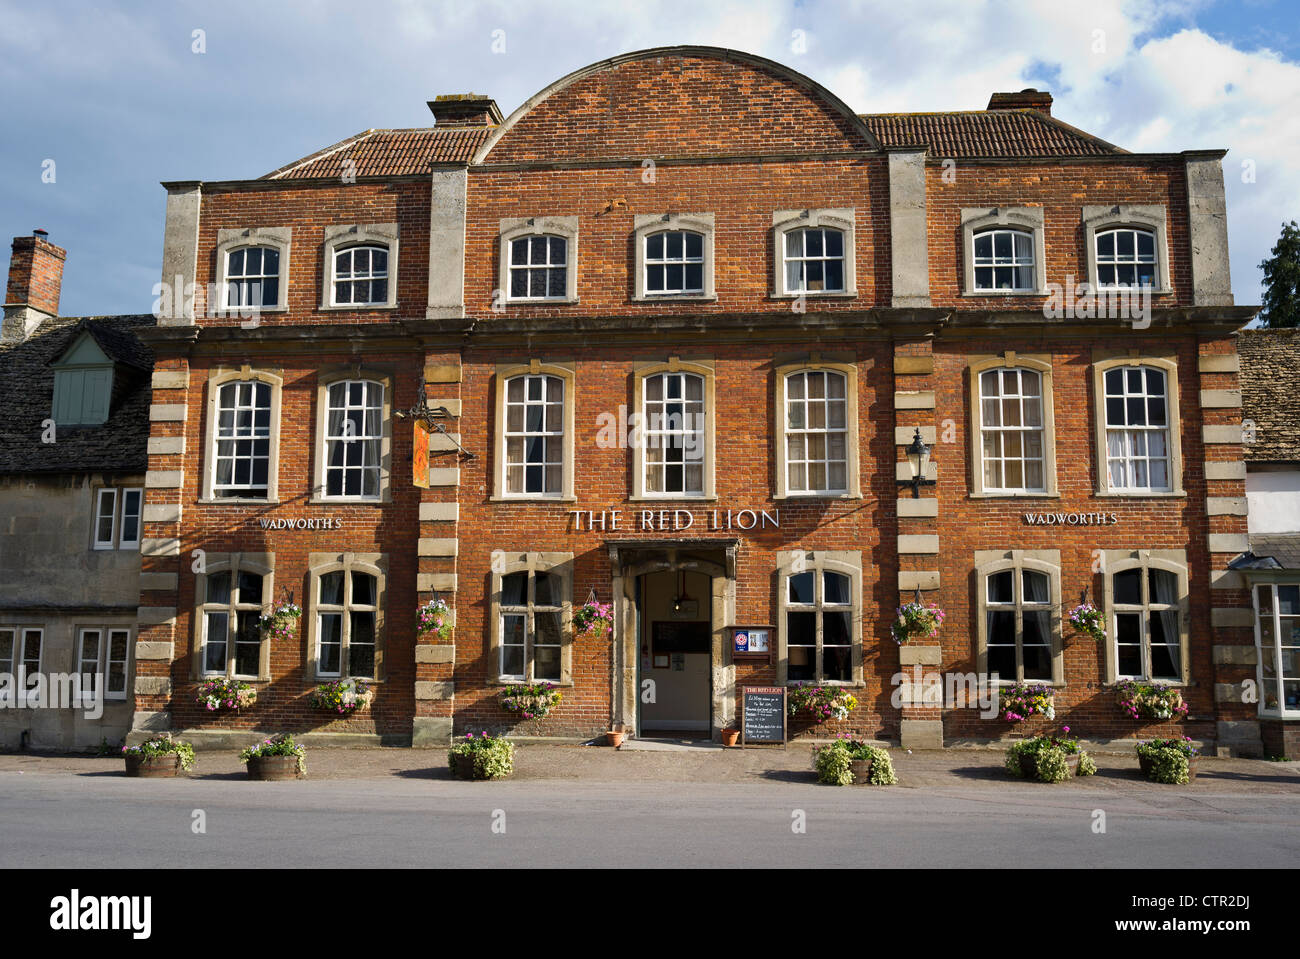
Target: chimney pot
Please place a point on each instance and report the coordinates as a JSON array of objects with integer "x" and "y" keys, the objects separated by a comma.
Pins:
[{"x": 1026, "y": 99}]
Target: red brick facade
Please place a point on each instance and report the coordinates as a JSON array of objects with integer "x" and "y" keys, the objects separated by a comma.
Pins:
[{"x": 738, "y": 139}]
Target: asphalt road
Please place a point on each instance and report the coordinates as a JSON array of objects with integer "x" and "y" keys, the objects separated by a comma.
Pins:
[{"x": 102, "y": 819}]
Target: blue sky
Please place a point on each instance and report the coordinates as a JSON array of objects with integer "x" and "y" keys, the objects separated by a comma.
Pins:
[{"x": 117, "y": 97}]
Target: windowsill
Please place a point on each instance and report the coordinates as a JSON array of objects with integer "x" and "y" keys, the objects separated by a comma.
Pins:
[
  {"x": 237, "y": 501},
  {"x": 813, "y": 497},
  {"x": 524, "y": 682},
  {"x": 817, "y": 295},
  {"x": 837, "y": 683},
  {"x": 1141, "y": 494},
  {"x": 542, "y": 301},
  {"x": 1012, "y": 683},
  {"x": 1289, "y": 715},
  {"x": 1129, "y": 290},
  {"x": 1004, "y": 293},
  {"x": 233, "y": 312},
  {"x": 1168, "y": 683},
  {"x": 676, "y": 298},
  {"x": 686, "y": 498},
  {"x": 348, "y": 501},
  {"x": 533, "y": 500},
  {"x": 1013, "y": 495},
  {"x": 355, "y": 307}
]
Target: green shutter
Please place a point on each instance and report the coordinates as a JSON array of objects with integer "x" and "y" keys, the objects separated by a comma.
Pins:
[{"x": 81, "y": 397}]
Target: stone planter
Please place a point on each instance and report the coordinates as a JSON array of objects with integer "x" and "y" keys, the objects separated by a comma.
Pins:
[
  {"x": 1029, "y": 765},
  {"x": 153, "y": 767},
  {"x": 1147, "y": 766},
  {"x": 273, "y": 768},
  {"x": 861, "y": 769}
]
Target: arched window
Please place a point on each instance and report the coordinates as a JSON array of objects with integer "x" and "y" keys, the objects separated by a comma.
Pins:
[
  {"x": 253, "y": 277},
  {"x": 361, "y": 275},
  {"x": 1004, "y": 260},
  {"x": 814, "y": 260},
  {"x": 1126, "y": 258},
  {"x": 1018, "y": 624},
  {"x": 674, "y": 262},
  {"x": 820, "y": 625},
  {"x": 230, "y": 614},
  {"x": 816, "y": 432},
  {"x": 534, "y": 435},
  {"x": 1145, "y": 605},
  {"x": 539, "y": 267}
]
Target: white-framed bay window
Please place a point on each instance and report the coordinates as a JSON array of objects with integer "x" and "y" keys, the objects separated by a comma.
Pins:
[{"x": 1277, "y": 637}]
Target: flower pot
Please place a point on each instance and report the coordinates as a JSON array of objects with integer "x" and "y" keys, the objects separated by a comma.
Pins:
[
  {"x": 1146, "y": 765},
  {"x": 153, "y": 767},
  {"x": 1029, "y": 765},
  {"x": 463, "y": 766},
  {"x": 614, "y": 739},
  {"x": 861, "y": 769},
  {"x": 273, "y": 768},
  {"x": 730, "y": 736}
]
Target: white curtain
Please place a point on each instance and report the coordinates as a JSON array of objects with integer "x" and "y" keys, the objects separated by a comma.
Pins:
[{"x": 1164, "y": 591}]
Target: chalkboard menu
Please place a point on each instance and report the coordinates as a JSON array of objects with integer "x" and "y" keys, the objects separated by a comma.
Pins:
[{"x": 762, "y": 714}]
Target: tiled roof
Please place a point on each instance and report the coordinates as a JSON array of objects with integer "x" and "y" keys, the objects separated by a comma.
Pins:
[
  {"x": 388, "y": 153},
  {"x": 118, "y": 445},
  {"x": 987, "y": 133},
  {"x": 1270, "y": 393},
  {"x": 1274, "y": 551}
]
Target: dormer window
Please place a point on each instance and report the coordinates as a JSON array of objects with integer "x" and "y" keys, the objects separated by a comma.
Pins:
[{"x": 83, "y": 384}]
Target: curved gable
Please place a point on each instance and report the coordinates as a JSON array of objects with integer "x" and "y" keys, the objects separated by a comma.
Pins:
[{"x": 677, "y": 102}]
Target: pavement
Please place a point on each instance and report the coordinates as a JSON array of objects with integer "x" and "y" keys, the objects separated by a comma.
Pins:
[{"x": 576, "y": 806}]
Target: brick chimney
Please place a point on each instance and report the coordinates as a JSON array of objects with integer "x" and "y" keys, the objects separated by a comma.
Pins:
[
  {"x": 35, "y": 277},
  {"x": 1027, "y": 99},
  {"x": 464, "y": 110}
]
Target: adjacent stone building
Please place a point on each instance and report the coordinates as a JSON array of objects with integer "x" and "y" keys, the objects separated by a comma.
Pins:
[
  {"x": 681, "y": 317},
  {"x": 74, "y": 426}
]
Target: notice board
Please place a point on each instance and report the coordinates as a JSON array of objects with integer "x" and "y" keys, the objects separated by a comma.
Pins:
[{"x": 762, "y": 712}]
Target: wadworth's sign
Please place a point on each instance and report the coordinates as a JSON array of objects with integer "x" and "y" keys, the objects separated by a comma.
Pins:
[
  {"x": 675, "y": 520},
  {"x": 1071, "y": 519}
]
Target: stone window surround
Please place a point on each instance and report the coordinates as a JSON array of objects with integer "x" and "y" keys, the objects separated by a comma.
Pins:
[
  {"x": 700, "y": 367},
  {"x": 104, "y": 629},
  {"x": 326, "y": 377},
  {"x": 566, "y": 372},
  {"x": 558, "y": 564},
  {"x": 1140, "y": 216},
  {"x": 1104, "y": 360},
  {"x": 358, "y": 234},
  {"x": 514, "y": 228},
  {"x": 261, "y": 563},
  {"x": 645, "y": 224},
  {"x": 846, "y": 366},
  {"x": 217, "y": 378},
  {"x": 1040, "y": 363},
  {"x": 842, "y": 219},
  {"x": 1272, "y": 580},
  {"x": 318, "y": 564},
  {"x": 278, "y": 238},
  {"x": 1171, "y": 560},
  {"x": 1046, "y": 561},
  {"x": 1029, "y": 219},
  {"x": 847, "y": 562}
]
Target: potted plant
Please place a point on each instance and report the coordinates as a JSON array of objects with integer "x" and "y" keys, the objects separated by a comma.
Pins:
[
  {"x": 282, "y": 622},
  {"x": 615, "y": 737},
  {"x": 433, "y": 618},
  {"x": 820, "y": 702},
  {"x": 594, "y": 619},
  {"x": 916, "y": 620},
  {"x": 730, "y": 734},
  {"x": 225, "y": 694},
  {"x": 342, "y": 696},
  {"x": 1023, "y": 700},
  {"x": 846, "y": 760},
  {"x": 1088, "y": 621},
  {"x": 1049, "y": 759},
  {"x": 481, "y": 757},
  {"x": 1170, "y": 761},
  {"x": 1150, "y": 701},
  {"x": 276, "y": 758},
  {"x": 158, "y": 757},
  {"x": 530, "y": 700}
]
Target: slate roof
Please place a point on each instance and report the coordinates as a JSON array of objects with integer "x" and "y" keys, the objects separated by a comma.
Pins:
[
  {"x": 388, "y": 153},
  {"x": 1270, "y": 393},
  {"x": 972, "y": 133},
  {"x": 987, "y": 133},
  {"x": 27, "y": 394},
  {"x": 1270, "y": 551}
]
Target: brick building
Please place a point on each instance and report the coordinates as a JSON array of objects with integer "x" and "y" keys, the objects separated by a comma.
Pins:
[{"x": 682, "y": 316}]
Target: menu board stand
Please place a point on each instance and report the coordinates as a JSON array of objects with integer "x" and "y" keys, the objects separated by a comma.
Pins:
[{"x": 762, "y": 712}]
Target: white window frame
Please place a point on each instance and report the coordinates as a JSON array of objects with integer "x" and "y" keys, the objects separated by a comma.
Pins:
[
  {"x": 1115, "y": 260},
  {"x": 1046, "y": 562},
  {"x": 102, "y": 516},
  {"x": 1104, "y": 362},
  {"x": 245, "y": 281},
  {"x": 1282, "y": 710},
  {"x": 558, "y": 565},
  {"x": 18, "y": 635},
  {"x": 259, "y": 564},
  {"x": 122, "y": 541},
  {"x": 646, "y": 226},
  {"x": 116, "y": 517},
  {"x": 807, "y": 432},
  {"x": 1133, "y": 216},
  {"x": 321, "y": 564},
  {"x": 658, "y": 431},
  {"x": 1173, "y": 562},
  {"x": 276, "y": 238},
  {"x": 1001, "y": 431},
  {"x": 516, "y": 228},
  {"x": 344, "y": 612},
  {"x": 103, "y": 658},
  {"x": 994, "y": 262},
  {"x": 338, "y": 239},
  {"x": 353, "y": 276},
  {"x": 373, "y": 442},
  {"x": 1026, "y": 219},
  {"x": 553, "y": 439},
  {"x": 1128, "y": 432},
  {"x": 820, "y": 562},
  {"x": 217, "y": 380},
  {"x": 787, "y": 221}
]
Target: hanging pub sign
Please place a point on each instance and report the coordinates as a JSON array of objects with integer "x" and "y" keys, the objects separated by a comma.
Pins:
[
  {"x": 420, "y": 454},
  {"x": 753, "y": 643},
  {"x": 762, "y": 712}
]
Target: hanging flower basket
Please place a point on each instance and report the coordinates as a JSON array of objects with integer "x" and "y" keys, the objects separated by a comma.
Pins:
[
  {"x": 433, "y": 618},
  {"x": 916, "y": 621},
  {"x": 281, "y": 624},
  {"x": 342, "y": 696},
  {"x": 820, "y": 702},
  {"x": 530, "y": 700},
  {"x": 594, "y": 619},
  {"x": 1025, "y": 701},
  {"x": 217, "y": 695},
  {"x": 1088, "y": 620},
  {"x": 1149, "y": 701}
]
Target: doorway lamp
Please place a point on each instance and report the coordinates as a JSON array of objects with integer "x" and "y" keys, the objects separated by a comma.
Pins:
[{"x": 918, "y": 458}]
